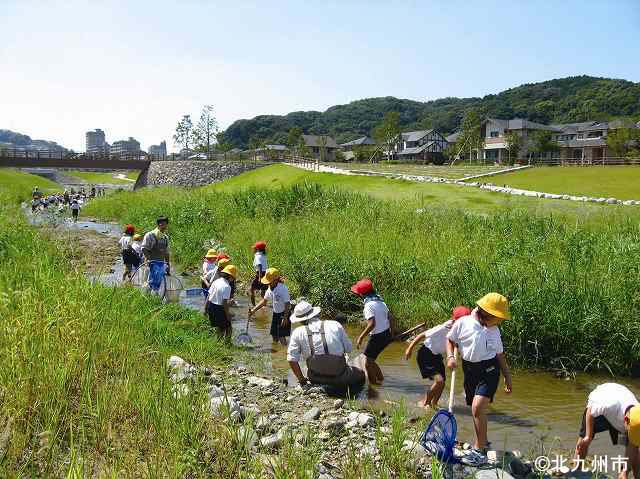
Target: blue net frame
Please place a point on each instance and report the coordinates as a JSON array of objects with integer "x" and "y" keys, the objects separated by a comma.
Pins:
[{"x": 439, "y": 439}]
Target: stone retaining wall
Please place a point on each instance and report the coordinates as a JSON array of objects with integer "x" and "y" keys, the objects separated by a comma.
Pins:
[{"x": 191, "y": 173}]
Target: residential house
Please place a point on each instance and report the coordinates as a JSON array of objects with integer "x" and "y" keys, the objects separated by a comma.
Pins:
[
  {"x": 495, "y": 131},
  {"x": 422, "y": 145},
  {"x": 322, "y": 147},
  {"x": 348, "y": 147},
  {"x": 587, "y": 141},
  {"x": 272, "y": 152}
]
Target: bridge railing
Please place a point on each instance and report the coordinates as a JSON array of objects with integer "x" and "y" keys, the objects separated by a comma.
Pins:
[{"x": 20, "y": 153}]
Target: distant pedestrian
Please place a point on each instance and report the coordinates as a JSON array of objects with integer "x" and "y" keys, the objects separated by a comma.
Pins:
[
  {"x": 260, "y": 267},
  {"x": 75, "y": 210},
  {"x": 378, "y": 328}
]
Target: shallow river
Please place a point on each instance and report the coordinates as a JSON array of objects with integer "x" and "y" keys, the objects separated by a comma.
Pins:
[{"x": 541, "y": 406}]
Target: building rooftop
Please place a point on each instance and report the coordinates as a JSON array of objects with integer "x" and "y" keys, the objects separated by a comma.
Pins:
[
  {"x": 312, "y": 141},
  {"x": 365, "y": 140},
  {"x": 415, "y": 135}
]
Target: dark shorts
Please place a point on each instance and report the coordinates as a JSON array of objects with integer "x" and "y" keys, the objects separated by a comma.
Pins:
[
  {"x": 600, "y": 424},
  {"x": 377, "y": 343},
  {"x": 481, "y": 379},
  {"x": 217, "y": 318},
  {"x": 278, "y": 331},
  {"x": 430, "y": 364},
  {"x": 256, "y": 284},
  {"x": 75, "y": 212},
  {"x": 130, "y": 258}
]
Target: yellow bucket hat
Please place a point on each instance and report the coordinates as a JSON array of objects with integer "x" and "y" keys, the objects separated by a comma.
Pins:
[
  {"x": 222, "y": 263},
  {"x": 634, "y": 426},
  {"x": 231, "y": 270},
  {"x": 211, "y": 254},
  {"x": 495, "y": 304},
  {"x": 270, "y": 275}
]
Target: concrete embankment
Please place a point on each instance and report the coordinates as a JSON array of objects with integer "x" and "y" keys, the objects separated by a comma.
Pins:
[{"x": 191, "y": 173}]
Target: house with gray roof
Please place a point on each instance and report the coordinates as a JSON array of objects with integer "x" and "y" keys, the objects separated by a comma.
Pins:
[
  {"x": 322, "y": 147},
  {"x": 422, "y": 145},
  {"x": 364, "y": 141},
  {"x": 495, "y": 131},
  {"x": 271, "y": 152}
]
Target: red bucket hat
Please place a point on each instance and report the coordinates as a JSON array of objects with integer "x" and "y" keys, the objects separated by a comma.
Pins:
[
  {"x": 129, "y": 228},
  {"x": 260, "y": 245},
  {"x": 460, "y": 311},
  {"x": 362, "y": 287}
]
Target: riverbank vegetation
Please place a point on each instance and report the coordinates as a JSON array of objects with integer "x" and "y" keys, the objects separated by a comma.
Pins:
[
  {"x": 98, "y": 177},
  {"x": 17, "y": 186},
  {"x": 572, "y": 284}
]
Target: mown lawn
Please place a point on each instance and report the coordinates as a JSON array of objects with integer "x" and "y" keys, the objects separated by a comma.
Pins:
[
  {"x": 104, "y": 178},
  {"x": 456, "y": 171},
  {"x": 622, "y": 182},
  {"x": 424, "y": 195}
]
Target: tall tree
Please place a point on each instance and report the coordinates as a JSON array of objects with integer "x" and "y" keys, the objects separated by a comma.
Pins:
[
  {"x": 223, "y": 144},
  {"x": 254, "y": 144},
  {"x": 293, "y": 139},
  {"x": 184, "y": 132},
  {"x": 470, "y": 138},
  {"x": 542, "y": 143},
  {"x": 387, "y": 132},
  {"x": 205, "y": 131},
  {"x": 514, "y": 144},
  {"x": 322, "y": 145},
  {"x": 621, "y": 141}
]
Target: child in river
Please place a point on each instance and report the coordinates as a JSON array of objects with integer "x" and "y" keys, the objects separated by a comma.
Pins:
[
  {"x": 136, "y": 244},
  {"x": 378, "y": 328},
  {"x": 209, "y": 268},
  {"x": 129, "y": 257},
  {"x": 478, "y": 339},
  {"x": 260, "y": 267},
  {"x": 75, "y": 209},
  {"x": 280, "y": 298},
  {"x": 430, "y": 360}
]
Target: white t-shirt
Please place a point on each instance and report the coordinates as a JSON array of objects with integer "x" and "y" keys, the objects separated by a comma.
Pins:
[
  {"x": 260, "y": 261},
  {"x": 377, "y": 309},
  {"x": 125, "y": 242},
  {"x": 207, "y": 267},
  {"x": 219, "y": 291},
  {"x": 436, "y": 338},
  {"x": 209, "y": 275},
  {"x": 338, "y": 342},
  {"x": 137, "y": 247},
  {"x": 611, "y": 400},
  {"x": 75, "y": 206},
  {"x": 475, "y": 341},
  {"x": 279, "y": 297}
]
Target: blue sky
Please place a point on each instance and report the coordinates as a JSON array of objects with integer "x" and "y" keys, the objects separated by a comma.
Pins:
[{"x": 133, "y": 68}]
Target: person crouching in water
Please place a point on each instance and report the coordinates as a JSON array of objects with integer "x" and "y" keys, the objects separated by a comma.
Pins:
[
  {"x": 219, "y": 301},
  {"x": 614, "y": 408},
  {"x": 130, "y": 258},
  {"x": 376, "y": 314},
  {"x": 209, "y": 269},
  {"x": 478, "y": 339},
  {"x": 323, "y": 345},
  {"x": 260, "y": 267},
  {"x": 278, "y": 293},
  {"x": 430, "y": 356}
]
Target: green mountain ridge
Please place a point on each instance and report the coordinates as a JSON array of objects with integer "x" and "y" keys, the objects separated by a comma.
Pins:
[{"x": 564, "y": 100}]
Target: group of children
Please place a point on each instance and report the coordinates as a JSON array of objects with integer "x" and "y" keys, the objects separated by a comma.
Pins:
[
  {"x": 131, "y": 251},
  {"x": 41, "y": 202}
]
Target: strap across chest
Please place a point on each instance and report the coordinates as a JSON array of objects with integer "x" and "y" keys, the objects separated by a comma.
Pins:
[{"x": 310, "y": 339}]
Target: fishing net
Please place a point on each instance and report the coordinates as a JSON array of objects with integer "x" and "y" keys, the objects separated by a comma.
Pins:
[
  {"x": 172, "y": 288},
  {"x": 152, "y": 278},
  {"x": 439, "y": 439},
  {"x": 140, "y": 276}
]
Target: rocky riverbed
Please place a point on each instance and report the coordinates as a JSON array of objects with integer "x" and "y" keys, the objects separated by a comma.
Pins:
[{"x": 269, "y": 415}]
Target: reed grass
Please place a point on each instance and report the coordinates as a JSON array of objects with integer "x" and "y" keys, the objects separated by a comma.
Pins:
[{"x": 572, "y": 285}]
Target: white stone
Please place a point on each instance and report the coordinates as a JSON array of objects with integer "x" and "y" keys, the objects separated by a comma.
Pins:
[
  {"x": 218, "y": 405},
  {"x": 365, "y": 420},
  {"x": 338, "y": 403},
  {"x": 260, "y": 382},
  {"x": 312, "y": 414},
  {"x": 215, "y": 391},
  {"x": 179, "y": 369},
  {"x": 415, "y": 448},
  {"x": 271, "y": 442}
]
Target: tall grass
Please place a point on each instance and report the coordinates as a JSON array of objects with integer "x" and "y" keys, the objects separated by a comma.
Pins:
[{"x": 573, "y": 287}]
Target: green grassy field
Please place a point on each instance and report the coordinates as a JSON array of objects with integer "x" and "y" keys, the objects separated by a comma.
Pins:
[
  {"x": 425, "y": 195},
  {"x": 17, "y": 186},
  {"x": 95, "y": 177},
  {"x": 621, "y": 182},
  {"x": 571, "y": 282},
  {"x": 453, "y": 172}
]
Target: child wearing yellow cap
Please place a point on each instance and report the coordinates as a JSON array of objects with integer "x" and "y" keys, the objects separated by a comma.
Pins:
[
  {"x": 478, "y": 339},
  {"x": 280, "y": 298},
  {"x": 219, "y": 301},
  {"x": 613, "y": 408}
]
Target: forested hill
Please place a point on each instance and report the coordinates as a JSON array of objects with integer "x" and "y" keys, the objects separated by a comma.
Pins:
[
  {"x": 11, "y": 139},
  {"x": 562, "y": 100}
]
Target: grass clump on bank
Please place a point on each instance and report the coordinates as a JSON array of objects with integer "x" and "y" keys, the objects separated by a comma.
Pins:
[
  {"x": 17, "y": 186},
  {"x": 572, "y": 286}
]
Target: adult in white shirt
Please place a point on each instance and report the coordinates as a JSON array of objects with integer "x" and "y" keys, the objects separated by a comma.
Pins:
[
  {"x": 323, "y": 345},
  {"x": 219, "y": 301},
  {"x": 378, "y": 328},
  {"x": 614, "y": 408},
  {"x": 478, "y": 339},
  {"x": 278, "y": 294}
]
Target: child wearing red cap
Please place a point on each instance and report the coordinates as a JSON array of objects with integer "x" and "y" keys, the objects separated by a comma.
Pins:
[
  {"x": 130, "y": 258},
  {"x": 260, "y": 267},
  {"x": 376, "y": 314},
  {"x": 430, "y": 356}
]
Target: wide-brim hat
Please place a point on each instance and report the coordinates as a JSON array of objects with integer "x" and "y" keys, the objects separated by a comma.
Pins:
[
  {"x": 270, "y": 275},
  {"x": 231, "y": 270},
  {"x": 211, "y": 254},
  {"x": 496, "y": 305},
  {"x": 634, "y": 425},
  {"x": 303, "y": 311}
]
